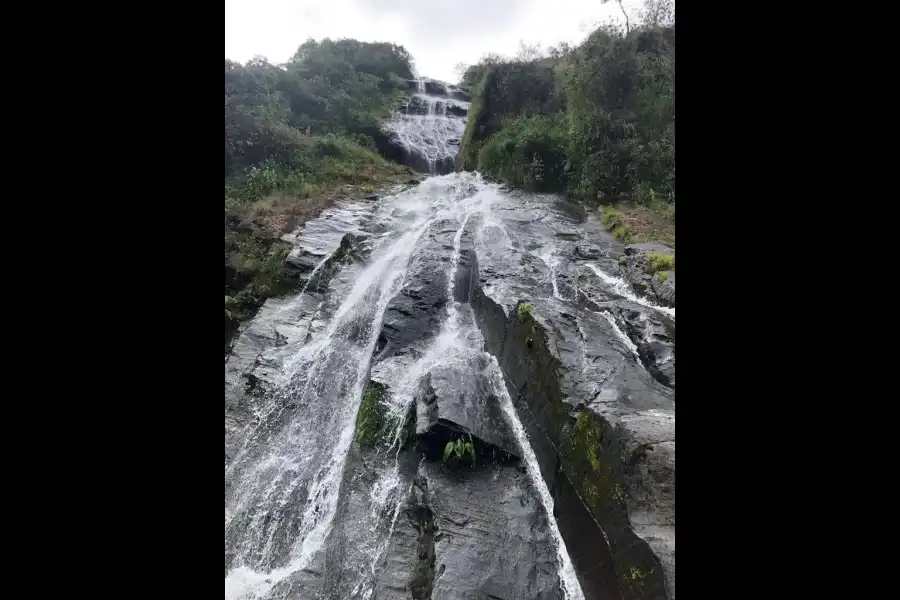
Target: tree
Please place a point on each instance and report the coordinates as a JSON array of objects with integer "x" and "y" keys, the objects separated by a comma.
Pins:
[
  {"x": 528, "y": 52},
  {"x": 624, "y": 12},
  {"x": 658, "y": 13}
]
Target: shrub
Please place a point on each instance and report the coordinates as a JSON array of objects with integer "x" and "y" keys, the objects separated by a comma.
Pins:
[
  {"x": 528, "y": 152},
  {"x": 523, "y": 311},
  {"x": 660, "y": 262},
  {"x": 603, "y": 113}
]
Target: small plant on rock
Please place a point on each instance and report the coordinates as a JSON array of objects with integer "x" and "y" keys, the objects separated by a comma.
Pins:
[
  {"x": 460, "y": 452},
  {"x": 637, "y": 576}
]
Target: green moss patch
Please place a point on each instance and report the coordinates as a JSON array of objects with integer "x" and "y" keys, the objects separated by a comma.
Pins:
[{"x": 375, "y": 427}]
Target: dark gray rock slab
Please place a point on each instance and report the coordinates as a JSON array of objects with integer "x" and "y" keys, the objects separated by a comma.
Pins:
[
  {"x": 455, "y": 401},
  {"x": 490, "y": 535}
]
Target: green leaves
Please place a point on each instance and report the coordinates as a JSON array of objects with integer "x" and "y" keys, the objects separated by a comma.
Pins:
[
  {"x": 460, "y": 452},
  {"x": 448, "y": 450}
]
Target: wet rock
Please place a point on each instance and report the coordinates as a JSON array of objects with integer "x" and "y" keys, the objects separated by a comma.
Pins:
[
  {"x": 460, "y": 94},
  {"x": 663, "y": 285},
  {"x": 435, "y": 88},
  {"x": 479, "y": 533},
  {"x": 420, "y": 105},
  {"x": 654, "y": 335},
  {"x": 456, "y": 110},
  {"x": 455, "y": 401},
  {"x": 388, "y": 146},
  {"x": 586, "y": 252},
  {"x": 415, "y": 313},
  {"x": 635, "y": 266},
  {"x": 466, "y": 269},
  {"x": 415, "y": 105},
  {"x": 413, "y": 158},
  {"x": 302, "y": 261},
  {"x": 639, "y": 249},
  {"x": 578, "y": 396}
]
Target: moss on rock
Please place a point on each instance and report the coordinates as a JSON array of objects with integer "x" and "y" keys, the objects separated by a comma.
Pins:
[
  {"x": 374, "y": 426},
  {"x": 371, "y": 418}
]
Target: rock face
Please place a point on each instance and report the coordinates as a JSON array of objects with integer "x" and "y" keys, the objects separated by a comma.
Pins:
[
  {"x": 435, "y": 88},
  {"x": 598, "y": 416},
  {"x": 455, "y": 402},
  {"x": 447, "y": 537},
  {"x": 599, "y": 428},
  {"x": 489, "y": 278},
  {"x": 414, "y": 314}
]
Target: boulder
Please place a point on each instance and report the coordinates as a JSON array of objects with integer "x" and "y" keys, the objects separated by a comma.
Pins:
[{"x": 456, "y": 401}]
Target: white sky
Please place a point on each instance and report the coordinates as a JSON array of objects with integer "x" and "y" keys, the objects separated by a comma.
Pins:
[{"x": 438, "y": 33}]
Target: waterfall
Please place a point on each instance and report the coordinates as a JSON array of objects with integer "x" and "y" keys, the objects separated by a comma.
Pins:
[
  {"x": 429, "y": 129},
  {"x": 311, "y": 514}
]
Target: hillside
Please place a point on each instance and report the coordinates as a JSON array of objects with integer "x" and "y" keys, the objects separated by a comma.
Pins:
[
  {"x": 296, "y": 137},
  {"x": 595, "y": 122}
]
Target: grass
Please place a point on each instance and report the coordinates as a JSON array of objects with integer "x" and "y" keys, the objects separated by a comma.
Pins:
[
  {"x": 636, "y": 223},
  {"x": 660, "y": 262},
  {"x": 374, "y": 426},
  {"x": 523, "y": 311},
  {"x": 263, "y": 202}
]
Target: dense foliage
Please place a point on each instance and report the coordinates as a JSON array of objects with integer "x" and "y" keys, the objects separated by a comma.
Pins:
[
  {"x": 343, "y": 87},
  {"x": 596, "y": 121},
  {"x": 295, "y": 136}
]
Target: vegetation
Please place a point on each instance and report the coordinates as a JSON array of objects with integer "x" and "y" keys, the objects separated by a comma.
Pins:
[
  {"x": 660, "y": 262},
  {"x": 371, "y": 419},
  {"x": 596, "y": 122},
  {"x": 633, "y": 223},
  {"x": 460, "y": 452},
  {"x": 296, "y": 136},
  {"x": 375, "y": 427},
  {"x": 636, "y": 577},
  {"x": 523, "y": 312},
  {"x": 612, "y": 221}
]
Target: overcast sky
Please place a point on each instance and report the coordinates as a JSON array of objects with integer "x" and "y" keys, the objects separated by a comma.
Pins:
[{"x": 438, "y": 33}]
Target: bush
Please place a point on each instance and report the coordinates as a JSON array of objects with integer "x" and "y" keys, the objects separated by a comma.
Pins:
[
  {"x": 523, "y": 312},
  {"x": 345, "y": 87},
  {"x": 596, "y": 122},
  {"x": 528, "y": 152},
  {"x": 506, "y": 90}
]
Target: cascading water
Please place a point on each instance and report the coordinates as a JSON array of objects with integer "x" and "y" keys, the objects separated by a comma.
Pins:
[
  {"x": 430, "y": 128},
  {"x": 282, "y": 493},
  {"x": 309, "y": 513},
  {"x": 620, "y": 287}
]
